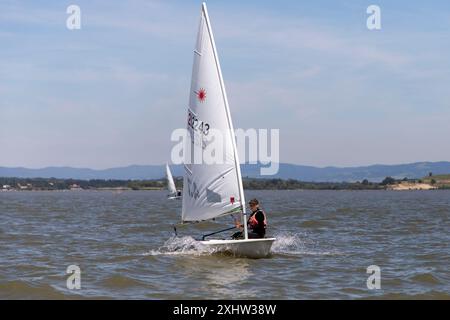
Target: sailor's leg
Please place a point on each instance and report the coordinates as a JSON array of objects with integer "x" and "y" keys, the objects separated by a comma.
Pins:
[{"x": 253, "y": 235}]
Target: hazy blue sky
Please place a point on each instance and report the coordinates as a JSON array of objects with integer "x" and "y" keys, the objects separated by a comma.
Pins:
[{"x": 111, "y": 93}]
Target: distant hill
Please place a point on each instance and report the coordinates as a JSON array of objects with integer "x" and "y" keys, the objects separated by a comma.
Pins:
[{"x": 375, "y": 173}]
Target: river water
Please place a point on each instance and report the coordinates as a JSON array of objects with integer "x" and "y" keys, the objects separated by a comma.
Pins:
[{"x": 124, "y": 245}]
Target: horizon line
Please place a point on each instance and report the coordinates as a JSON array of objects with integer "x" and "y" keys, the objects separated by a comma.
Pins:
[{"x": 258, "y": 163}]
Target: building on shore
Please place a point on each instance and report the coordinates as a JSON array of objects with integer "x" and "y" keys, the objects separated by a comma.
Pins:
[
  {"x": 26, "y": 187},
  {"x": 75, "y": 187}
]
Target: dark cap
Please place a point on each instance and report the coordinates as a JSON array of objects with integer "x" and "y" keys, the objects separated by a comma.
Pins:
[{"x": 253, "y": 202}]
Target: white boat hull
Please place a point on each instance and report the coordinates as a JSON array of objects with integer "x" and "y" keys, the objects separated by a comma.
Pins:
[
  {"x": 250, "y": 248},
  {"x": 174, "y": 197}
]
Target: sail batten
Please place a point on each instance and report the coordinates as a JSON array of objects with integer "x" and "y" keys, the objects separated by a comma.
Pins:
[
  {"x": 234, "y": 211},
  {"x": 210, "y": 190}
]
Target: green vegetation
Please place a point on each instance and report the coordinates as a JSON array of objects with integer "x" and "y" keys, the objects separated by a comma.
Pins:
[
  {"x": 291, "y": 184},
  {"x": 249, "y": 183},
  {"x": 67, "y": 184},
  {"x": 438, "y": 177},
  {"x": 439, "y": 181},
  {"x": 388, "y": 180}
]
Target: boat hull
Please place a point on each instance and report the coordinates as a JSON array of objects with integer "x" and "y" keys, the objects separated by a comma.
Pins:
[{"x": 249, "y": 248}]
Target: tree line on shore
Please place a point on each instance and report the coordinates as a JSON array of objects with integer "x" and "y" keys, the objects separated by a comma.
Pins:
[{"x": 249, "y": 183}]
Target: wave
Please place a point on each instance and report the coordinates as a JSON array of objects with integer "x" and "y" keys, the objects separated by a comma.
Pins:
[
  {"x": 19, "y": 289},
  {"x": 430, "y": 295},
  {"x": 426, "y": 278},
  {"x": 297, "y": 244},
  {"x": 314, "y": 224},
  {"x": 120, "y": 281},
  {"x": 181, "y": 246}
]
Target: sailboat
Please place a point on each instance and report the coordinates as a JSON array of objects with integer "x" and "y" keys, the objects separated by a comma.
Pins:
[
  {"x": 214, "y": 190},
  {"x": 173, "y": 192}
]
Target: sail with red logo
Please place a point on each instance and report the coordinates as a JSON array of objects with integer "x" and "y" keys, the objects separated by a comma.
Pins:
[{"x": 211, "y": 188}]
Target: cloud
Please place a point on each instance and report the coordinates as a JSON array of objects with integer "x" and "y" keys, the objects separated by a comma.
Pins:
[
  {"x": 31, "y": 14},
  {"x": 127, "y": 73},
  {"x": 281, "y": 34}
]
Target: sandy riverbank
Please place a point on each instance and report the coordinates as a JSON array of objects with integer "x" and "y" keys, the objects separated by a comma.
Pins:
[{"x": 411, "y": 186}]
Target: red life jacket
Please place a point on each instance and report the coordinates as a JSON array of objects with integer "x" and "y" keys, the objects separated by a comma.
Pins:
[{"x": 253, "y": 222}]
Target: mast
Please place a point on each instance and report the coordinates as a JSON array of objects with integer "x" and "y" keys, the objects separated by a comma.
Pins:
[{"x": 230, "y": 123}]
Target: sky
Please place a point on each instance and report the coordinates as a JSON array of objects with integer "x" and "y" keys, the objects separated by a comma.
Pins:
[{"x": 111, "y": 93}]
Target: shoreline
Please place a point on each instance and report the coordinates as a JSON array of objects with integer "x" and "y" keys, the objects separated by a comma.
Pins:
[
  {"x": 73, "y": 185},
  {"x": 118, "y": 191}
]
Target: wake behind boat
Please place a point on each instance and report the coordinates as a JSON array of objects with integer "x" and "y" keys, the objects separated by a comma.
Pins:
[{"x": 214, "y": 190}]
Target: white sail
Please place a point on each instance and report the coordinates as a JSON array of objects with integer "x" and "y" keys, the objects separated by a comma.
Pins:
[
  {"x": 170, "y": 182},
  {"x": 209, "y": 190}
]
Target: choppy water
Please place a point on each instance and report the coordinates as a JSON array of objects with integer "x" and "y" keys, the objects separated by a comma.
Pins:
[{"x": 125, "y": 247}]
